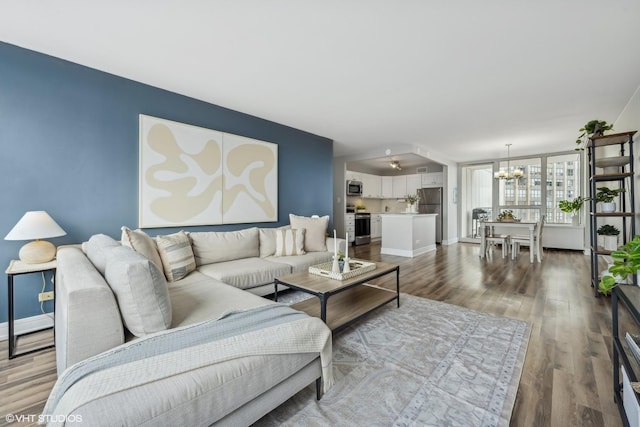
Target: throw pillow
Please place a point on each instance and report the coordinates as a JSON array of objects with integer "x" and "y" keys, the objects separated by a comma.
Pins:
[
  {"x": 315, "y": 238},
  {"x": 176, "y": 254},
  {"x": 290, "y": 242},
  {"x": 141, "y": 290},
  {"x": 217, "y": 246},
  {"x": 268, "y": 240},
  {"x": 98, "y": 250},
  {"x": 140, "y": 242}
]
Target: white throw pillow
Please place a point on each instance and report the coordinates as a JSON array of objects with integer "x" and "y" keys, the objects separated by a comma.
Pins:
[
  {"x": 290, "y": 242},
  {"x": 141, "y": 290},
  {"x": 315, "y": 238},
  {"x": 176, "y": 254},
  {"x": 268, "y": 240},
  {"x": 140, "y": 242}
]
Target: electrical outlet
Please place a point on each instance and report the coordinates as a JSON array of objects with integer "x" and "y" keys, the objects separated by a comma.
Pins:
[{"x": 45, "y": 296}]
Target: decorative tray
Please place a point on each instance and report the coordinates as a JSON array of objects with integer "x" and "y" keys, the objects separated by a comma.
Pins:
[
  {"x": 509, "y": 220},
  {"x": 357, "y": 267}
]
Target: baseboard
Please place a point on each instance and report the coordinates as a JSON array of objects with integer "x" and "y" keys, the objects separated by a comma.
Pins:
[
  {"x": 26, "y": 325},
  {"x": 449, "y": 242}
]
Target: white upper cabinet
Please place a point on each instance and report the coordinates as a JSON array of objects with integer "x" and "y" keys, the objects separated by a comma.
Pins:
[
  {"x": 372, "y": 186},
  {"x": 387, "y": 187},
  {"x": 413, "y": 183},
  {"x": 399, "y": 186},
  {"x": 432, "y": 179}
]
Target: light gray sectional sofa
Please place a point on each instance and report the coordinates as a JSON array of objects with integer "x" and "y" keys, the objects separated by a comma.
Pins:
[{"x": 103, "y": 310}]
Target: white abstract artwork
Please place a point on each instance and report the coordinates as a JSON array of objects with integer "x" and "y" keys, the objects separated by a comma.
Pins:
[{"x": 195, "y": 176}]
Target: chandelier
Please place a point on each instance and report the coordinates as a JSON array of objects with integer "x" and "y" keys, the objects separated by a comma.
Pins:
[
  {"x": 505, "y": 174},
  {"x": 395, "y": 165}
]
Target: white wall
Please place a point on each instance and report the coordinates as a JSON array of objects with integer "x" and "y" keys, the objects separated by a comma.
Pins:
[{"x": 629, "y": 120}]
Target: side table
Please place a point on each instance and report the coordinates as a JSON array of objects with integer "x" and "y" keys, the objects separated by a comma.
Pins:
[{"x": 17, "y": 268}]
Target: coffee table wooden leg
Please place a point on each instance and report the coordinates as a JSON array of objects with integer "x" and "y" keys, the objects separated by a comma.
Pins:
[{"x": 323, "y": 308}]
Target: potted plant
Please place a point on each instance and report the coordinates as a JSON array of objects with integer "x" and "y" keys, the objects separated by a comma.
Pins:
[
  {"x": 594, "y": 128},
  {"x": 626, "y": 262},
  {"x": 507, "y": 215},
  {"x": 605, "y": 195},
  {"x": 610, "y": 236},
  {"x": 411, "y": 200},
  {"x": 572, "y": 207}
]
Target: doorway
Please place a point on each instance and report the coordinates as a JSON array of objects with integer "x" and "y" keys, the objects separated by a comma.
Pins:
[{"x": 476, "y": 199}]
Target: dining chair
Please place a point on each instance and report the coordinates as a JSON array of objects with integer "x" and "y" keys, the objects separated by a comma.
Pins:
[
  {"x": 518, "y": 240},
  {"x": 492, "y": 239}
]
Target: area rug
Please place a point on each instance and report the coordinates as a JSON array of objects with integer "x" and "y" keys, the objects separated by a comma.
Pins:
[{"x": 426, "y": 363}]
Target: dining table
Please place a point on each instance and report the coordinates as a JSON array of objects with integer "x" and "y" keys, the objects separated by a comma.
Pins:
[{"x": 488, "y": 227}]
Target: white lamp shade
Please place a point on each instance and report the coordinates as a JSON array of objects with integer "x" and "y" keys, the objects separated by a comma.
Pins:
[{"x": 35, "y": 225}]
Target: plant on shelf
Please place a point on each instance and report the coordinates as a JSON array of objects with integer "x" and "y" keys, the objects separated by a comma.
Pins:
[
  {"x": 608, "y": 230},
  {"x": 606, "y": 195},
  {"x": 593, "y": 127},
  {"x": 507, "y": 215},
  {"x": 626, "y": 262}
]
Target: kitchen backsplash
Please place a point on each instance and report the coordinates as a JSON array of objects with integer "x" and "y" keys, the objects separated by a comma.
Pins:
[{"x": 378, "y": 205}]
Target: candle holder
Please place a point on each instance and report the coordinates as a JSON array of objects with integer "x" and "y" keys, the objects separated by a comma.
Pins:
[
  {"x": 335, "y": 268},
  {"x": 346, "y": 268}
]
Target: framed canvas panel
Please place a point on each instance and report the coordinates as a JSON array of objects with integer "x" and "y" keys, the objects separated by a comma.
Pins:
[
  {"x": 180, "y": 174},
  {"x": 195, "y": 176},
  {"x": 250, "y": 170}
]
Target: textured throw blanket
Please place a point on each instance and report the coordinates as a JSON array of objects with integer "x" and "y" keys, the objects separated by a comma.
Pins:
[{"x": 266, "y": 330}]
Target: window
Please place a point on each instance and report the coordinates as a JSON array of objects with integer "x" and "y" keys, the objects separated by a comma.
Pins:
[
  {"x": 563, "y": 183},
  {"x": 526, "y": 197}
]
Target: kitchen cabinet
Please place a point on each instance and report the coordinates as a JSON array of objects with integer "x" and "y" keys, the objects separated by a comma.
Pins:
[
  {"x": 432, "y": 179},
  {"x": 350, "y": 226},
  {"x": 413, "y": 183},
  {"x": 376, "y": 226},
  {"x": 399, "y": 186},
  {"x": 353, "y": 176},
  {"x": 371, "y": 186},
  {"x": 387, "y": 187}
]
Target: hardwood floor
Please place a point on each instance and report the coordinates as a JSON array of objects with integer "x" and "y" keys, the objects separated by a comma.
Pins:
[{"x": 567, "y": 375}]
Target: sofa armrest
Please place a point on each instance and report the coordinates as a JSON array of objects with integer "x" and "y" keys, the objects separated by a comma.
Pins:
[
  {"x": 342, "y": 244},
  {"x": 87, "y": 320}
]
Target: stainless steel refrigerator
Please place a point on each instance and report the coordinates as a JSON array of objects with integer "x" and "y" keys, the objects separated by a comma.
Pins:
[{"x": 431, "y": 202}]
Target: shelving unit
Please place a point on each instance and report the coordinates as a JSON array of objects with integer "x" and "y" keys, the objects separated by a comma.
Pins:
[
  {"x": 623, "y": 178},
  {"x": 628, "y": 405}
]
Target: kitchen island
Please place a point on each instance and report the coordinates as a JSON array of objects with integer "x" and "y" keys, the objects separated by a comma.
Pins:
[{"x": 407, "y": 234}]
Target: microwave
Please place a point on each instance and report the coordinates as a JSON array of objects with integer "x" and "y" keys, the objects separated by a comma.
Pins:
[{"x": 354, "y": 188}]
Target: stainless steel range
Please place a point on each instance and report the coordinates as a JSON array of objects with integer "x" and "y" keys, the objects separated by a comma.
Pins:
[{"x": 363, "y": 228}]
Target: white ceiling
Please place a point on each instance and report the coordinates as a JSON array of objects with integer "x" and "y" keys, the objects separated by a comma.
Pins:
[{"x": 461, "y": 78}]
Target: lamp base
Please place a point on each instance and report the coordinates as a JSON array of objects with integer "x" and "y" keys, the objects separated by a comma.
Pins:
[{"x": 37, "y": 252}]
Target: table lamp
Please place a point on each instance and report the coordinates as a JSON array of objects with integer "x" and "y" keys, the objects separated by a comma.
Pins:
[{"x": 36, "y": 225}]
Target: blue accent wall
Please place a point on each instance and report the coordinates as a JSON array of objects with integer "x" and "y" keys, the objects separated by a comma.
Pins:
[{"x": 69, "y": 139}]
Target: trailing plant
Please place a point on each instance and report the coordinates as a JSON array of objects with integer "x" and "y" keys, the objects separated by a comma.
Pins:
[
  {"x": 571, "y": 206},
  {"x": 606, "y": 195},
  {"x": 626, "y": 262},
  {"x": 608, "y": 230},
  {"x": 593, "y": 127}
]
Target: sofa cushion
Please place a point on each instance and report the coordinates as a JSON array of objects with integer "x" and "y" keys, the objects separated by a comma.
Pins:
[
  {"x": 176, "y": 254},
  {"x": 246, "y": 273},
  {"x": 289, "y": 242},
  {"x": 198, "y": 297},
  {"x": 98, "y": 250},
  {"x": 141, "y": 290},
  {"x": 268, "y": 240},
  {"x": 140, "y": 242},
  {"x": 211, "y": 246},
  {"x": 303, "y": 262},
  {"x": 315, "y": 239}
]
